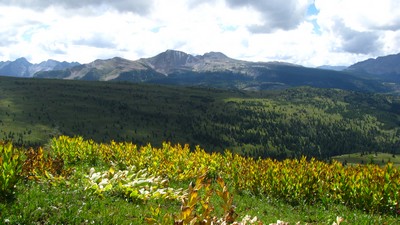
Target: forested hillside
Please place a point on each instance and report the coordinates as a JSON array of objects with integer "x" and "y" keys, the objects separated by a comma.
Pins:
[{"x": 280, "y": 124}]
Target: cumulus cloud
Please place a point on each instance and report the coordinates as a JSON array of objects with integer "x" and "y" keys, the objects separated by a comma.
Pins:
[
  {"x": 135, "y": 6},
  {"x": 361, "y": 15},
  {"x": 276, "y": 14},
  {"x": 363, "y": 27},
  {"x": 54, "y": 48},
  {"x": 362, "y": 43},
  {"x": 358, "y": 42},
  {"x": 97, "y": 40},
  {"x": 6, "y": 38}
]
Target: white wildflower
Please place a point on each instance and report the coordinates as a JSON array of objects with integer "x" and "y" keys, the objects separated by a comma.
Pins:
[
  {"x": 339, "y": 219},
  {"x": 92, "y": 170},
  {"x": 103, "y": 182},
  {"x": 279, "y": 222},
  {"x": 253, "y": 220}
]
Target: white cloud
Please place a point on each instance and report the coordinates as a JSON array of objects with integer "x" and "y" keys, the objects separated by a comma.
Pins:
[
  {"x": 361, "y": 15},
  {"x": 135, "y": 6},
  {"x": 364, "y": 26},
  {"x": 276, "y": 14},
  {"x": 341, "y": 33}
]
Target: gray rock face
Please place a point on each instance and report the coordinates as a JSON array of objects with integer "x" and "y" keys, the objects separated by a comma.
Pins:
[
  {"x": 50, "y": 65},
  {"x": 170, "y": 61},
  {"x": 22, "y": 68},
  {"x": 17, "y": 68}
]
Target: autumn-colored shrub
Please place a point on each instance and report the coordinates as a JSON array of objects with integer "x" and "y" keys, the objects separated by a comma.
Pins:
[{"x": 367, "y": 187}]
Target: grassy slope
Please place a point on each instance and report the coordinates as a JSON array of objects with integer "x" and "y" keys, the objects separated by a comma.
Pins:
[
  {"x": 378, "y": 158},
  {"x": 280, "y": 124},
  {"x": 43, "y": 203}
]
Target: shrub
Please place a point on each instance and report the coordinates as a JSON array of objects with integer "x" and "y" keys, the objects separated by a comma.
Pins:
[{"x": 10, "y": 166}]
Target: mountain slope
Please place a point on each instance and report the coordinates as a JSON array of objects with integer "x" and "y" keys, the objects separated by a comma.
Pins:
[
  {"x": 212, "y": 69},
  {"x": 170, "y": 61},
  {"x": 18, "y": 68},
  {"x": 105, "y": 70},
  {"x": 50, "y": 65},
  {"x": 23, "y": 68},
  {"x": 386, "y": 68}
]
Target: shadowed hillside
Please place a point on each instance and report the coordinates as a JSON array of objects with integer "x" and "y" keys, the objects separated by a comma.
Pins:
[{"x": 285, "y": 123}]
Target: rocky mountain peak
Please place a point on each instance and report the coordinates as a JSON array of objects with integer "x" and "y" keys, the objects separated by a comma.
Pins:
[
  {"x": 215, "y": 55},
  {"x": 176, "y": 58},
  {"x": 170, "y": 60},
  {"x": 22, "y": 61},
  {"x": 48, "y": 63},
  {"x": 19, "y": 67}
]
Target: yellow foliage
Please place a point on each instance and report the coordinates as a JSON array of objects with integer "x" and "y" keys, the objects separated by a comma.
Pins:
[{"x": 369, "y": 187}]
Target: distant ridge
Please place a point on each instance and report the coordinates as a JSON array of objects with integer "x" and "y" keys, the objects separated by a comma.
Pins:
[
  {"x": 21, "y": 67},
  {"x": 335, "y": 68}
]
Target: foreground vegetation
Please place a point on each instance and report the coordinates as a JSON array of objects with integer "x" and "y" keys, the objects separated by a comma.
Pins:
[
  {"x": 79, "y": 181},
  {"x": 280, "y": 124}
]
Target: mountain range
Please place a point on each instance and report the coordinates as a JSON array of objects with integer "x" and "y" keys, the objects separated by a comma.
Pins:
[
  {"x": 163, "y": 65},
  {"x": 218, "y": 70},
  {"x": 21, "y": 67}
]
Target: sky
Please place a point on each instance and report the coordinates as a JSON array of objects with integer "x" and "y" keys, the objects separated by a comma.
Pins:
[{"x": 305, "y": 32}]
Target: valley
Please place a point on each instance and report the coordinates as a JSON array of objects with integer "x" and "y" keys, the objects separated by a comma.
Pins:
[{"x": 280, "y": 124}]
